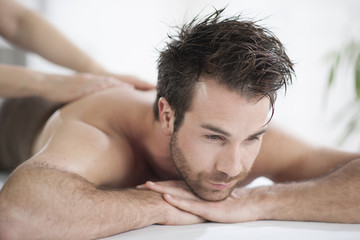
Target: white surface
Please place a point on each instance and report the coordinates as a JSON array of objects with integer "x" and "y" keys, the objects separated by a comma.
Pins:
[{"x": 247, "y": 231}]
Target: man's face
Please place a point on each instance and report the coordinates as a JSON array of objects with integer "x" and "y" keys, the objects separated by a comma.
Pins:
[{"x": 218, "y": 141}]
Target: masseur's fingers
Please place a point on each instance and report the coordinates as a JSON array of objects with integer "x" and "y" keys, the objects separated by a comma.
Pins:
[
  {"x": 135, "y": 81},
  {"x": 68, "y": 88}
]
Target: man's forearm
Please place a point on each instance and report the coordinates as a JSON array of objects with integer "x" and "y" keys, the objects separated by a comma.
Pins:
[
  {"x": 48, "y": 203},
  {"x": 332, "y": 198}
]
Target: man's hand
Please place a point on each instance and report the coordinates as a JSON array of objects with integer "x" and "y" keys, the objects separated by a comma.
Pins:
[
  {"x": 176, "y": 216},
  {"x": 238, "y": 207}
]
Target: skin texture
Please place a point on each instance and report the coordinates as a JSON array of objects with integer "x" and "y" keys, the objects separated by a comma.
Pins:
[
  {"x": 212, "y": 164},
  {"x": 92, "y": 153}
]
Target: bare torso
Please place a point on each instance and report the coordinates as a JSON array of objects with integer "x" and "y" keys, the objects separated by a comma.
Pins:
[
  {"x": 112, "y": 139},
  {"x": 122, "y": 119}
]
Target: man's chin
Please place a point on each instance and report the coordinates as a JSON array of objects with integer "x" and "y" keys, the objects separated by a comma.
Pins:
[{"x": 213, "y": 196}]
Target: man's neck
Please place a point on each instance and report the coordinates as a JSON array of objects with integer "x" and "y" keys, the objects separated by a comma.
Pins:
[{"x": 156, "y": 143}]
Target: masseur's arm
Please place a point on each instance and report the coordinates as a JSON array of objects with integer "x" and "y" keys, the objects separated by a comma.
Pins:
[
  {"x": 21, "y": 82},
  {"x": 311, "y": 184},
  {"x": 27, "y": 29},
  {"x": 67, "y": 191}
]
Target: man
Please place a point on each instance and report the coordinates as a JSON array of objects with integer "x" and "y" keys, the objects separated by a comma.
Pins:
[{"x": 204, "y": 135}]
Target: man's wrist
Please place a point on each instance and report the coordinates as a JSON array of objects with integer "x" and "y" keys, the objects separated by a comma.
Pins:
[
  {"x": 281, "y": 201},
  {"x": 262, "y": 201},
  {"x": 154, "y": 205},
  {"x": 268, "y": 203}
]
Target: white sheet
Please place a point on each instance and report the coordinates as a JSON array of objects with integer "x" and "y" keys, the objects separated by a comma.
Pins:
[
  {"x": 278, "y": 230},
  {"x": 243, "y": 231}
]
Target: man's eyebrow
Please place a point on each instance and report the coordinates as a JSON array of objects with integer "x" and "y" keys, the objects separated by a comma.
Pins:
[
  {"x": 258, "y": 133},
  {"x": 225, "y": 133},
  {"x": 215, "y": 129}
]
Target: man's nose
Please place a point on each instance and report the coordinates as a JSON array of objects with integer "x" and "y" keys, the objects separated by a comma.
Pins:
[{"x": 230, "y": 161}]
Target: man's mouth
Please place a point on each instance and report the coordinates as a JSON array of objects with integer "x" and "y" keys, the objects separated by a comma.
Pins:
[{"x": 221, "y": 185}]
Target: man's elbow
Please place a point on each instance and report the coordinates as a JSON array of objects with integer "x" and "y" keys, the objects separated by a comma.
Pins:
[
  {"x": 12, "y": 225},
  {"x": 6, "y": 231}
]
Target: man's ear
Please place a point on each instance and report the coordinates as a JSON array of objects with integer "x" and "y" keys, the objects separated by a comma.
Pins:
[{"x": 166, "y": 116}]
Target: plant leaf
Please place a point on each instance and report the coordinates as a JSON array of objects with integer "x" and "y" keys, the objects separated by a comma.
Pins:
[
  {"x": 331, "y": 76},
  {"x": 334, "y": 69},
  {"x": 357, "y": 76},
  {"x": 352, "y": 124},
  {"x": 351, "y": 51}
]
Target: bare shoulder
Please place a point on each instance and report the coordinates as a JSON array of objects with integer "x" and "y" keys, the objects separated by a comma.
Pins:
[
  {"x": 285, "y": 157},
  {"x": 277, "y": 150},
  {"x": 109, "y": 106},
  {"x": 81, "y": 138}
]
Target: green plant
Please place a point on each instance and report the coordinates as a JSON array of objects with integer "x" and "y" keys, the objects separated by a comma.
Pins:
[{"x": 348, "y": 58}]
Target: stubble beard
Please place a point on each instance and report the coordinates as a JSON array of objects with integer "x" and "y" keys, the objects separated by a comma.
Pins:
[{"x": 195, "y": 181}]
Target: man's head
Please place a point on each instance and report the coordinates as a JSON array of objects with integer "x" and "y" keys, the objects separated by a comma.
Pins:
[{"x": 232, "y": 69}]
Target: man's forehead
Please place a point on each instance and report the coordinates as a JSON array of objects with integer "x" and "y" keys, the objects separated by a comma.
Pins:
[
  {"x": 215, "y": 105},
  {"x": 209, "y": 92}
]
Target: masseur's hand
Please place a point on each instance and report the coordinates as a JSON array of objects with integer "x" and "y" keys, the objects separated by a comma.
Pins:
[
  {"x": 18, "y": 81},
  {"x": 135, "y": 81},
  {"x": 240, "y": 206},
  {"x": 67, "y": 88}
]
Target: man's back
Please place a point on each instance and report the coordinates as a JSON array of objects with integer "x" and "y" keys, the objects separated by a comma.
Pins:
[{"x": 99, "y": 134}]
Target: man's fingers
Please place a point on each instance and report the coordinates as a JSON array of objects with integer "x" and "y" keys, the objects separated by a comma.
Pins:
[
  {"x": 191, "y": 206},
  {"x": 172, "y": 188},
  {"x": 161, "y": 188},
  {"x": 175, "y": 188}
]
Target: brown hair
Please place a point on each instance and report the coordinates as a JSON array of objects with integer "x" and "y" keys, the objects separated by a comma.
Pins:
[{"x": 241, "y": 55}]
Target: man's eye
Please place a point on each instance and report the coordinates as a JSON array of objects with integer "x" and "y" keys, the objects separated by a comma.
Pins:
[
  {"x": 253, "y": 138},
  {"x": 214, "y": 137}
]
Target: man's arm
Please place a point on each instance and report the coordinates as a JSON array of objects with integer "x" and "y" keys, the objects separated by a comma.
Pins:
[
  {"x": 311, "y": 184},
  {"x": 333, "y": 198},
  {"x": 64, "y": 192},
  {"x": 284, "y": 157},
  {"x": 47, "y": 203}
]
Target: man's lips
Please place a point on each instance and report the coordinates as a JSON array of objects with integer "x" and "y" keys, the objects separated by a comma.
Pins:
[{"x": 221, "y": 185}]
